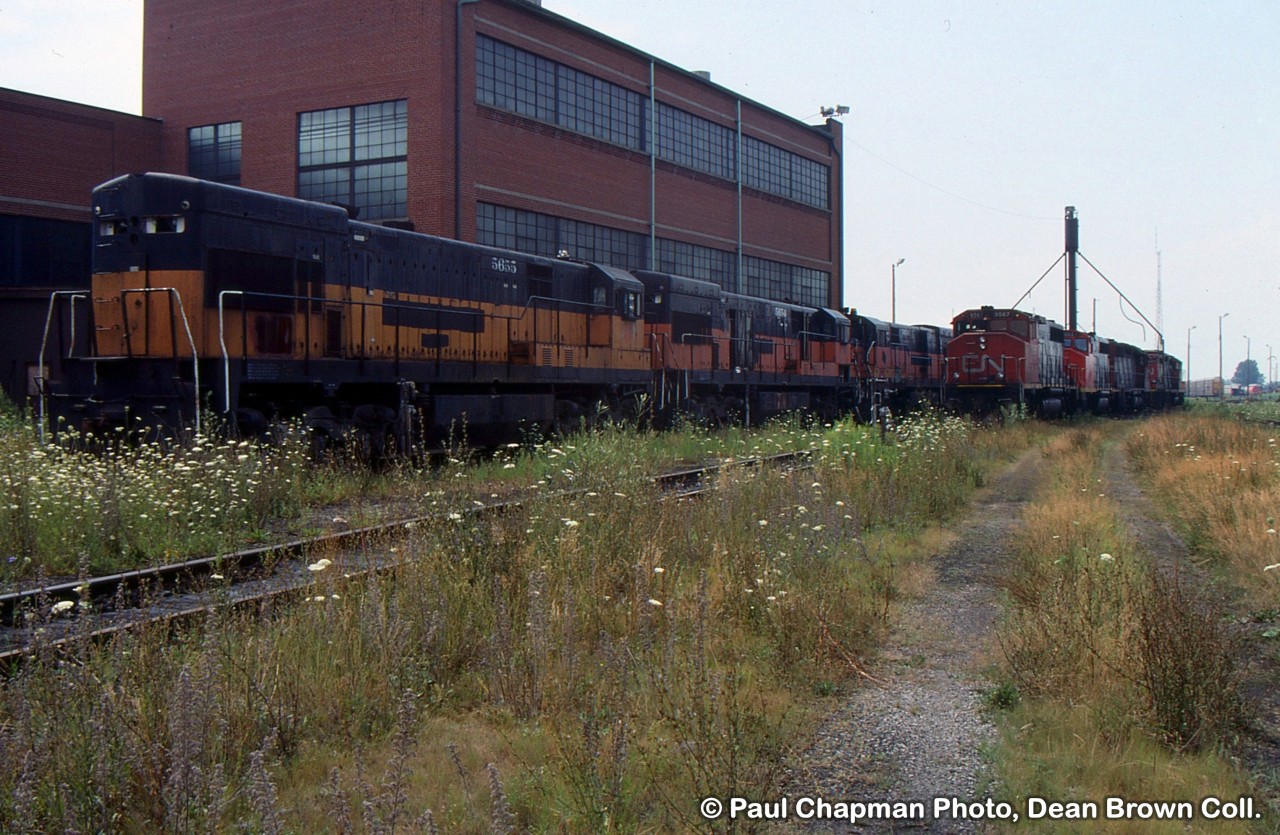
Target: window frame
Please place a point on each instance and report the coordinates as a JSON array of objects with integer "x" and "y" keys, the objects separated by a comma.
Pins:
[
  {"x": 225, "y": 155},
  {"x": 345, "y": 156}
]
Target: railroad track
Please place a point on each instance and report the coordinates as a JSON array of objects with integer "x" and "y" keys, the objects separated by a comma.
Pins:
[{"x": 178, "y": 592}]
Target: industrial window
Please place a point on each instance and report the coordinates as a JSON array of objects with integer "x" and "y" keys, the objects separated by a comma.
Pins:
[
  {"x": 511, "y": 229},
  {"x": 357, "y": 157},
  {"x": 701, "y": 262},
  {"x": 602, "y": 244},
  {"x": 550, "y": 236},
  {"x": 520, "y": 82},
  {"x": 769, "y": 168},
  {"x": 213, "y": 152},
  {"x": 787, "y": 282},
  {"x": 515, "y": 80},
  {"x": 696, "y": 143},
  {"x": 589, "y": 105}
]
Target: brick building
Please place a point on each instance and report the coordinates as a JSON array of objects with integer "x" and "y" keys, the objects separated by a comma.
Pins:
[
  {"x": 534, "y": 133},
  {"x": 54, "y": 153},
  {"x": 570, "y": 141}
]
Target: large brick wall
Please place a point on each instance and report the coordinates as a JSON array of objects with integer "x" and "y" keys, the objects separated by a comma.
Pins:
[
  {"x": 263, "y": 63},
  {"x": 55, "y": 152},
  {"x": 52, "y": 154}
]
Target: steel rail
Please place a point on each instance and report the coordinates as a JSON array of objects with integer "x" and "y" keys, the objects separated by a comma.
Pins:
[{"x": 183, "y": 578}]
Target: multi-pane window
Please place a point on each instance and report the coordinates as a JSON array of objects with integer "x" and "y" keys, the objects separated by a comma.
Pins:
[
  {"x": 515, "y": 80},
  {"x": 786, "y": 282},
  {"x": 695, "y": 142},
  {"x": 700, "y": 262},
  {"x": 602, "y": 244},
  {"x": 511, "y": 229},
  {"x": 589, "y": 105},
  {"x": 769, "y": 168},
  {"x": 812, "y": 286},
  {"x": 521, "y": 82},
  {"x": 356, "y": 156},
  {"x": 810, "y": 182},
  {"x": 549, "y": 236},
  {"x": 546, "y": 235},
  {"x": 213, "y": 152}
]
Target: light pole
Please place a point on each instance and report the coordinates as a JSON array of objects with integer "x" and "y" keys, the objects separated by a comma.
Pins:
[
  {"x": 893, "y": 292},
  {"x": 1271, "y": 355},
  {"x": 1222, "y": 391},
  {"x": 1188, "y": 369}
]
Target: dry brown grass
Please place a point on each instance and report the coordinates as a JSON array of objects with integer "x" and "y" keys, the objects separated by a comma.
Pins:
[
  {"x": 1129, "y": 675},
  {"x": 1221, "y": 479}
]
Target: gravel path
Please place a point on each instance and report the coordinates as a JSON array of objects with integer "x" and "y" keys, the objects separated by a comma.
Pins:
[
  {"x": 1259, "y": 747},
  {"x": 919, "y": 734}
]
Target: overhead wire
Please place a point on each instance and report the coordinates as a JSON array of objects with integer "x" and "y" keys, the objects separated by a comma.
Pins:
[{"x": 939, "y": 188}]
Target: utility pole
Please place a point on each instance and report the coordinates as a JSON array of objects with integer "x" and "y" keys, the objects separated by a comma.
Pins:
[
  {"x": 1188, "y": 369},
  {"x": 1222, "y": 392},
  {"x": 893, "y": 292}
]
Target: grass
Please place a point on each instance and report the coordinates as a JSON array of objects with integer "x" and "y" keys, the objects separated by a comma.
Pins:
[
  {"x": 1118, "y": 679},
  {"x": 101, "y": 505},
  {"x": 592, "y": 663},
  {"x": 1220, "y": 478}
]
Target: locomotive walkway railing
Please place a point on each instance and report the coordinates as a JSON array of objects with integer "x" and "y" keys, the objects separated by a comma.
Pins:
[
  {"x": 174, "y": 297},
  {"x": 41, "y": 381}
]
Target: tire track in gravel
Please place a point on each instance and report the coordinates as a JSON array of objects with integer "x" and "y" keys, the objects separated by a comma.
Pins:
[
  {"x": 920, "y": 733},
  {"x": 1259, "y": 747}
]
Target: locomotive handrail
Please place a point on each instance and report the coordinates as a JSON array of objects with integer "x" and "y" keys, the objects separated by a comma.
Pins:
[
  {"x": 530, "y": 304},
  {"x": 182, "y": 311},
  {"x": 222, "y": 343},
  {"x": 44, "y": 341}
]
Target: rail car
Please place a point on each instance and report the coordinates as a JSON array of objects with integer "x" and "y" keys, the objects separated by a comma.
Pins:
[
  {"x": 1000, "y": 358},
  {"x": 904, "y": 364},
  {"x": 256, "y": 307},
  {"x": 1205, "y": 388},
  {"x": 208, "y": 297}
]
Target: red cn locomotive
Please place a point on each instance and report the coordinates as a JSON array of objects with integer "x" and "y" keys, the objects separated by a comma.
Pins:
[
  {"x": 1003, "y": 358},
  {"x": 1006, "y": 358}
]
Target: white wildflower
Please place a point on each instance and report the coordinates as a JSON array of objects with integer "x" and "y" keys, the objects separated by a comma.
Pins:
[{"x": 320, "y": 565}]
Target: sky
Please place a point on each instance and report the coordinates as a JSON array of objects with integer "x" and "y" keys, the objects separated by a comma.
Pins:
[{"x": 971, "y": 125}]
